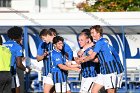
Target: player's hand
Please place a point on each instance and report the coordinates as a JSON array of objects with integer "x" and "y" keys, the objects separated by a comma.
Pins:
[
  {"x": 80, "y": 53},
  {"x": 68, "y": 63},
  {"x": 28, "y": 70},
  {"x": 45, "y": 53},
  {"x": 77, "y": 69},
  {"x": 77, "y": 60},
  {"x": 90, "y": 51}
]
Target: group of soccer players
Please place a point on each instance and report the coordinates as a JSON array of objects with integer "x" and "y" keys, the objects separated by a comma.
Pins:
[{"x": 97, "y": 60}]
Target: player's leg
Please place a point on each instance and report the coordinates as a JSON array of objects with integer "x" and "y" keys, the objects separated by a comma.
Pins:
[
  {"x": 110, "y": 82},
  {"x": 62, "y": 88},
  {"x": 47, "y": 88},
  {"x": 48, "y": 84},
  {"x": 98, "y": 83},
  {"x": 15, "y": 84},
  {"x": 86, "y": 84},
  {"x": 96, "y": 87}
]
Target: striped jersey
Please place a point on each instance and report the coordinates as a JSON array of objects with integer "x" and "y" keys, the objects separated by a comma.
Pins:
[
  {"x": 43, "y": 46},
  {"x": 117, "y": 60},
  {"x": 105, "y": 56},
  {"x": 16, "y": 51},
  {"x": 58, "y": 74},
  {"x": 88, "y": 68},
  {"x": 47, "y": 59}
]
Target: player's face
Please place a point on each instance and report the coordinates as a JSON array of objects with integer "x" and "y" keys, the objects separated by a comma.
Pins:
[
  {"x": 82, "y": 40},
  {"x": 94, "y": 34},
  {"x": 46, "y": 39},
  {"x": 59, "y": 45}
]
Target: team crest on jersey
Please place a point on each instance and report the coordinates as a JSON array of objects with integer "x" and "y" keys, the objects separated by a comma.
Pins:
[
  {"x": 57, "y": 59},
  {"x": 20, "y": 51}
]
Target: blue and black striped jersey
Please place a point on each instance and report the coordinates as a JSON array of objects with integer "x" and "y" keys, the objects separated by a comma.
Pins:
[
  {"x": 88, "y": 68},
  {"x": 58, "y": 74},
  {"x": 47, "y": 60},
  {"x": 108, "y": 62},
  {"x": 117, "y": 60}
]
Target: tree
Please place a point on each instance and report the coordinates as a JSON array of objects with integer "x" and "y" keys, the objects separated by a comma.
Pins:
[{"x": 110, "y": 6}]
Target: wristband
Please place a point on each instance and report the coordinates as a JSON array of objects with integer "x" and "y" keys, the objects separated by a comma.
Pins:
[{"x": 26, "y": 70}]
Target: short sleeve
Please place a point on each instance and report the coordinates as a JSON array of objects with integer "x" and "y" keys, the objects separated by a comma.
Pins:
[
  {"x": 19, "y": 51},
  {"x": 68, "y": 50},
  {"x": 97, "y": 46},
  {"x": 40, "y": 51}
]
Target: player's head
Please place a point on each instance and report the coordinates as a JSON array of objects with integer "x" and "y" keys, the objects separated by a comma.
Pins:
[
  {"x": 46, "y": 35},
  {"x": 58, "y": 42},
  {"x": 83, "y": 39},
  {"x": 96, "y": 32},
  {"x": 86, "y": 31},
  {"x": 54, "y": 32},
  {"x": 1, "y": 40},
  {"x": 15, "y": 33}
]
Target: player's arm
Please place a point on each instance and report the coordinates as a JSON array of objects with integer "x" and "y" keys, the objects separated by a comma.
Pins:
[
  {"x": 64, "y": 67},
  {"x": 41, "y": 57},
  {"x": 86, "y": 58},
  {"x": 19, "y": 63},
  {"x": 92, "y": 54},
  {"x": 81, "y": 51},
  {"x": 72, "y": 64},
  {"x": 19, "y": 59},
  {"x": 41, "y": 53},
  {"x": 69, "y": 51},
  {"x": 21, "y": 66},
  {"x": 96, "y": 60}
]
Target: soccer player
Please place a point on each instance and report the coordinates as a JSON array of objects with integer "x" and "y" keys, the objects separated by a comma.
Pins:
[
  {"x": 15, "y": 35},
  {"x": 59, "y": 68},
  {"x": 44, "y": 53},
  {"x": 108, "y": 65},
  {"x": 87, "y": 68}
]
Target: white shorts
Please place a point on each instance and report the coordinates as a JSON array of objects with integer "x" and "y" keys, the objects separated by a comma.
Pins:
[
  {"x": 48, "y": 79},
  {"x": 86, "y": 84},
  {"x": 119, "y": 80},
  {"x": 15, "y": 81},
  {"x": 107, "y": 80},
  {"x": 61, "y": 87}
]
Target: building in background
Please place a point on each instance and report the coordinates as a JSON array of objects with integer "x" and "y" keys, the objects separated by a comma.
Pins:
[{"x": 39, "y": 5}]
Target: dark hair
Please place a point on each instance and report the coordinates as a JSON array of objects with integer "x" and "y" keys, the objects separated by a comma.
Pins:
[
  {"x": 86, "y": 31},
  {"x": 15, "y": 32},
  {"x": 83, "y": 33},
  {"x": 45, "y": 32},
  {"x": 54, "y": 32},
  {"x": 57, "y": 39},
  {"x": 1, "y": 40},
  {"x": 98, "y": 29}
]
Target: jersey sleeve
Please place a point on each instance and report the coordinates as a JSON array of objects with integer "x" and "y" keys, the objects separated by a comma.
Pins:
[
  {"x": 68, "y": 50},
  {"x": 40, "y": 51},
  {"x": 19, "y": 51},
  {"x": 97, "y": 47}
]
